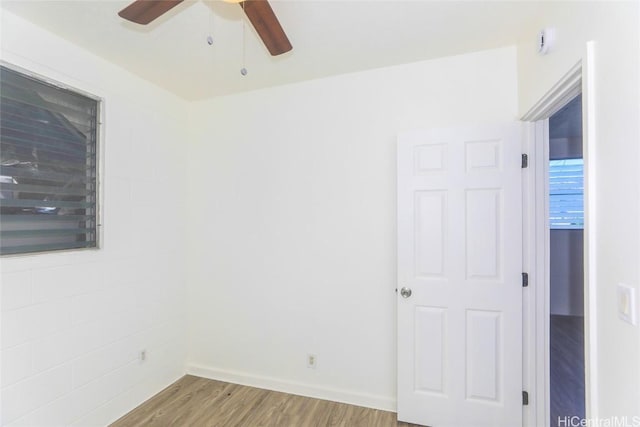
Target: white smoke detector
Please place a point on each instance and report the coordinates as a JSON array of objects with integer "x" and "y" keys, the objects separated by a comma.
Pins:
[{"x": 546, "y": 40}]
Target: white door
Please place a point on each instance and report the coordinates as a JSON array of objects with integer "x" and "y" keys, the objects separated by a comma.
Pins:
[{"x": 460, "y": 259}]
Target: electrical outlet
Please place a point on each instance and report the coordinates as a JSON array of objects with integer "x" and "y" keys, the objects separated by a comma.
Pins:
[
  {"x": 312, "y": 360},
  {"x": 143, "y": 355}
]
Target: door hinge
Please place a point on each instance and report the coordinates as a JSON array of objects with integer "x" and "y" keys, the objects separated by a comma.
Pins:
[
  {"x": 525, "y": 398},
  {"x": 525, "y": 280},
  {"x": 525, "y": 161}
]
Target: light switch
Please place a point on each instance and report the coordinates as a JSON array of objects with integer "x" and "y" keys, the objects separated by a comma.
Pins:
[{"x": 627, "y": 303}]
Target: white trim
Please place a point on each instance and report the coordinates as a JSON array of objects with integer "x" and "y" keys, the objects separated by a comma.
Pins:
[
  {"x": 291, "y": 387},
  {"x": 569, "y": 86},
  {"x": 543, "y": 248},
  {"x": 529, "y": 415},
  {"x": 578, "y": 80},
  {"x": 590, "y": 238},
  {"x": 536, "y": 262}
]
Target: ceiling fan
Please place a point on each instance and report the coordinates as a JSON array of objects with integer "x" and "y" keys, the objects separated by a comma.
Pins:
[{"x": 259, "y": 12}]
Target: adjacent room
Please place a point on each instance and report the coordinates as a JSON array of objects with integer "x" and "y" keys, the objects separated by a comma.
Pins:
[{"x": 346, "y": 201}]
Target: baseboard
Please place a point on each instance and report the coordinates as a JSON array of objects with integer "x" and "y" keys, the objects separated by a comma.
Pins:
[{"x": 300, "y": 389}]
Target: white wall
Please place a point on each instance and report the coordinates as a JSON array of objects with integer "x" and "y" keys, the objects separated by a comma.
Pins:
[
  {"x": 293, "y": 228},
  {"x": 614, "y": 26},
  {"x": 72, "y": 323}
]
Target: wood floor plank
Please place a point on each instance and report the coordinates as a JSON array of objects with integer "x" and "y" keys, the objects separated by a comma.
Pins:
[
  {"x": 199, "y": 402},
  {"x": 566, "y": 369},
  {"x": 196, "y": 406},
  {"x": 181, "y": 401},
  {"x": 277, "y": 409}
]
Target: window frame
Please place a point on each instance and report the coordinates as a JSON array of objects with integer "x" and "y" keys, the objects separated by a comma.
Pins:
[{"x": 99, "y": 165}]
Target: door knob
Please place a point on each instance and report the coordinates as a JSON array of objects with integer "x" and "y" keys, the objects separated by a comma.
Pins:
[{"x": 405, "y": 292}]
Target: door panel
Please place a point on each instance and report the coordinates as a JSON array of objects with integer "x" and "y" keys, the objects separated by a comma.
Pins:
[{"x": 460, "y": 253}]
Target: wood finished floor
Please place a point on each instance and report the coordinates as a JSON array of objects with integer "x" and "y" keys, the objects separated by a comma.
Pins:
[
  {"x": 199, "y": 402},
  {"x": 567, "y": 368}
]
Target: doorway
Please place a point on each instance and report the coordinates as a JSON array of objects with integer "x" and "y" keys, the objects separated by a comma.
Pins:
[
  {"x": 566, "y": 262},
  {"x": 579, "y": 80}
]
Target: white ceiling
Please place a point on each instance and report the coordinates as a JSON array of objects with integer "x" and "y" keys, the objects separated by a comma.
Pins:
[{"x": 329, "y": 37}]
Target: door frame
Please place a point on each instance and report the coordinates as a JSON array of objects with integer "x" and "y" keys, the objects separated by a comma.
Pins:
[{"x": 536, "y": 304}]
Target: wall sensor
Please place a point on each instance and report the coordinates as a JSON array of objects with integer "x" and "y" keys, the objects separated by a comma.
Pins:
[{"x": 546, "y": 39}]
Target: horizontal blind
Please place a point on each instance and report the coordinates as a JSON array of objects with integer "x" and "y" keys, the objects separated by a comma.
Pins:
[
  {"x": 566, "y": 194},
  {"x": 48, "y": 166}
]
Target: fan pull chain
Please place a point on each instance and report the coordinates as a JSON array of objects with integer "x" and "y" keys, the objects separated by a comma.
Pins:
[
  {"x": 210, "y": 35},
  {"x": 243, "y": 70}
]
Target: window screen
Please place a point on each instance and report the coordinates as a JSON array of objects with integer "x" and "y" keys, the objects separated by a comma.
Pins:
[
  {"x": 566, "y": 194},
  {"x": 48, "y": 160}
]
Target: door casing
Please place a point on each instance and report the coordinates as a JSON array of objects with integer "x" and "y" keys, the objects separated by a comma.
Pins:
[{"x": 579, "y": 79}]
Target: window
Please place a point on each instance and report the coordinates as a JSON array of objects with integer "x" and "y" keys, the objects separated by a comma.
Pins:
[
  {"x": 48, "y": 166},
  {"x": 566, "y": 194}
]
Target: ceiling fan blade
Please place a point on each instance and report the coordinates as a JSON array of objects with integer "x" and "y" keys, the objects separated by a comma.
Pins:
[
  {"x": 267, "y": 26},
  {"x": 145, "y": 11}
]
